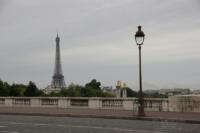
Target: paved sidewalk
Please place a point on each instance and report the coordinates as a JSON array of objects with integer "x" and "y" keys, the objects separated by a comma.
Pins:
[{"x": 104, "y": 113}]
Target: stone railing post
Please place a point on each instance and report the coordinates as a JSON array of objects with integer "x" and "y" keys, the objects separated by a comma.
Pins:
[
  {"x": 63, "y": 103},
  {"x": 128, "y": 104},
  {"x": 165, "y": 105},
  {"x": 8, "y": 102},
  {"x": 94, "y": 103},
  {"x": 35, "y": 102}
]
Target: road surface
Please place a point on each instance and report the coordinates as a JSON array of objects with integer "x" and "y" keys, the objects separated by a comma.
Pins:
[{"x": 52, "y": 124}]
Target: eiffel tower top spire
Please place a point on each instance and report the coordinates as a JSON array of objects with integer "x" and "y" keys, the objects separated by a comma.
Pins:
[{"x": 57, "y": 39}]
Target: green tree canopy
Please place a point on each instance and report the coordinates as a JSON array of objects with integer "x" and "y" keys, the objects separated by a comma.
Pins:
[
  {"x": 17, "y": 89},
  {"x": 74, "y": 90},
  {"x": 131, "y": 93},
  {"x": 31, "y": 90},
  {"x": 92, "y": 89},
  {"x": 4, "y": 88},
  {"x": 93, "y": 84}
]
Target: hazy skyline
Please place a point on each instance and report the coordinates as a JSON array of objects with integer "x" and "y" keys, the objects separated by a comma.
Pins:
[{"x": 97, "y": 41}]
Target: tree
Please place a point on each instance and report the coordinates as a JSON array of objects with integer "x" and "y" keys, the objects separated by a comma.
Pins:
[
  {"x": 74, "y": 90},
  {"x": 94, "y": 85},
  {"x": 107, "y": 94},
  {"x": 31, "y": 90},
  {"x": 55, "y": 94},
  {"x": 64, "y": 92},
  {"x": 41, "y": 93},
  {"x": 4, "y": 88},
  {"x": 131, "y": 93},
  {"x": 17, "y": 89},
  {"x": 92, "y": 89},
  {"x": 89, "y": 92}
]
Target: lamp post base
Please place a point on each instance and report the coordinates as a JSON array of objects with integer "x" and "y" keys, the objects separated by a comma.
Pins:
[
  {"x": 141, "y": 107},
  {"x": 141, "y": 111}
]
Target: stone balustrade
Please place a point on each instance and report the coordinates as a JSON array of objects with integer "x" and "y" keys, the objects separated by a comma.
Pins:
[
  {"x": 182, "y": 103},
  {"x": 151, "y": 104}
]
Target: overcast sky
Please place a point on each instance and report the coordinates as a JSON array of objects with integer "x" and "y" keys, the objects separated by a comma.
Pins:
[{"x": 97, "y": 41}]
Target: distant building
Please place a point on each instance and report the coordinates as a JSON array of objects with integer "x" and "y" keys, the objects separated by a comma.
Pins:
[
  {"x": 175, "y": 91},
  {"x": 151, "y": 91},
  {"x": 196, "y": 92},
  {"x": 50, "y": 89},
  {"x": 120, "y": 90},
  {"x": 108, "y": 89},
  {"x": 120, "y": 84}
]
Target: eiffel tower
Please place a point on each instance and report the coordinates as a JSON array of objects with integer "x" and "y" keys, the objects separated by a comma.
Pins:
[{"x": 58, "y": 78}]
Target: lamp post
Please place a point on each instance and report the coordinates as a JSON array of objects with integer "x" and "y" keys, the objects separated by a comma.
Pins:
[{"x": 139, "y": 38}]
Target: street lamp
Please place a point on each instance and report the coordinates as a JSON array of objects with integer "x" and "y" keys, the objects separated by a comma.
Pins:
[{"x": 139, "y": 38}]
